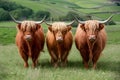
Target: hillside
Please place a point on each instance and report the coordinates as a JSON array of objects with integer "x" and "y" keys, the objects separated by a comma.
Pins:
[{"x": 96, "y": 8}]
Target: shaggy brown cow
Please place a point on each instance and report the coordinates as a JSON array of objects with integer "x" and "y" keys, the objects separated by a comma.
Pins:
[
  {"x": 90, "y": 40},
  {"x": 59, "y": 42},
  {"x": 29, "y": 40}
]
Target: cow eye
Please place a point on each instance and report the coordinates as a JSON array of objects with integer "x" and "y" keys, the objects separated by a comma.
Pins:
[
  {"x": 54, "y": 31},
  {"x": 97, "y": 29},
  {"x": 86, "y": 29},
  {"x": 64, "y": 32}
]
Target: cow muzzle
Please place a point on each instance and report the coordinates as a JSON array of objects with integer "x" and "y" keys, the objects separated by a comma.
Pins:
[
  {"x": 59, "y": 39},
  {"x": 28, "y": 37},
  {"x": 92, "y": 38}
]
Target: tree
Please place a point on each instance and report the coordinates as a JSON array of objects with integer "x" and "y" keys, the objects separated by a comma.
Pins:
[
  {"x": 40, "y": 14},
  {"x": 4, "y": 15}
]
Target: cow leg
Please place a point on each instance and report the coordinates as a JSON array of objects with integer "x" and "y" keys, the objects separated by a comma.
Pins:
[
  {"x": 35, "y": 60},
  {"x": 25, "y": 58},
  {"x": 25, "y": 61},
  {"x": 85, "y": 57},
  {"x": 95, "y": 59},
  {"x": 54, "y": 58},
  {"x": 64, "y": 58}
]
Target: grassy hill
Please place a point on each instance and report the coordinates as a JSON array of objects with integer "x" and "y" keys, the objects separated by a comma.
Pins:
[{"x": 96, "y": 8}]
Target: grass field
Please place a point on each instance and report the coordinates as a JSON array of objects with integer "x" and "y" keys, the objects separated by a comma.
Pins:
[
  {"x": 11, "y": 67},
  {"x": 11, "y": 64}
]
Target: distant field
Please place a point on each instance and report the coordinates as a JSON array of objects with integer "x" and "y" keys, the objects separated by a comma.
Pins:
[{"x": 61, "y": 7}]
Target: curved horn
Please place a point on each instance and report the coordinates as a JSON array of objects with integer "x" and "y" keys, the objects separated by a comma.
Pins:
[
  {"x": 107, "y": 20},
  {"x": 39, "y": 22},
  {"x": 71, "y": 23},
  {"x": 49, "y": 24},
  {"x": 81, "y": 22},
  {"x": 18, "y": 22}
]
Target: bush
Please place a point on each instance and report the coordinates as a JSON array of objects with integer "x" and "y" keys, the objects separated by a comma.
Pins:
[
  {"x": 4, "y": 15},
  {"x": 22, "y": 13},
  {"x": 40, "y": 14},
  {"x": 9, "y": 6},
  {"x": 70, "y": 17}
]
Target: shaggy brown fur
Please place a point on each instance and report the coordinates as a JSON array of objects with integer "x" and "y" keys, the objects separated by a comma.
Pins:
[
  {"x": 90, "y": 39},
  {"x": 30, "y": 41},
  {"x": 59, "y": 42}
]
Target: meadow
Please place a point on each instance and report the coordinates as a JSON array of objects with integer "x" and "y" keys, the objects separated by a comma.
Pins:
[
  {"x": 11, "y": 64},
  {"x": 108, "y": 67}
]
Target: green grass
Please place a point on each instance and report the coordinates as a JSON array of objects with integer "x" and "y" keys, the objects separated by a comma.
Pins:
[
  {"x": 11, "y": 64},
  {"x": 11, "y": 67}
]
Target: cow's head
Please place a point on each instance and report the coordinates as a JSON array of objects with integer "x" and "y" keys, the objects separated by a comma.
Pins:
[
  {"x": 59, "y": 29},
  {"x": 28, "y": 28},
  {"x": 92, "y": 28}
]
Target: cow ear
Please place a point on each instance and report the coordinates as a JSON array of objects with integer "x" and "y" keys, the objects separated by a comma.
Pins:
[
  {"x": 38, "y": 26},
  {"x": 69, "y": 28},
  {"x": 50, "y": 28},
  {"x": 101, "y": 26},
  {"x": 82, "y": 26},
  {"x": 19, "y": 26}
]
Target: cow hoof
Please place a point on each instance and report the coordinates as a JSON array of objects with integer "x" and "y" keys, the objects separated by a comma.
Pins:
[
  {"x": 25, "y": 65},
  {"x": 63, "y": 64},
  {"x": 55, "y": 65},
  {"x": 33, "y": 65},
  {"x": 36, "y": 62},
  {"x": 94, "y": 67}
]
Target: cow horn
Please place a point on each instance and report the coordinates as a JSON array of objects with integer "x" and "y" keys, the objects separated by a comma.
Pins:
[
  {"x": 107, "y": 20},
  {"x": 81, "y": 22},
  {"x": 39, "y": 22},
  {"x": 71, "y": 23},
  {"x": 18, "y": 22},
  {"x": 49, "y": 24}
]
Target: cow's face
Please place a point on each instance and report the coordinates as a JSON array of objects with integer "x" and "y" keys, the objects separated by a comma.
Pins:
[
  {"x": 92, "y": 28},
  {"x": 59, "y": 30},
  {"x": 28, "y": 29}
]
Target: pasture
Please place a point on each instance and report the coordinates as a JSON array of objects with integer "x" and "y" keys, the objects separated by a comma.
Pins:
[
  {"x": 99, "y": 9},
  {"x": 11, "y": 64},
  {"x": 108, "y": 67}
]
